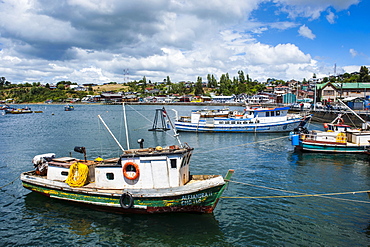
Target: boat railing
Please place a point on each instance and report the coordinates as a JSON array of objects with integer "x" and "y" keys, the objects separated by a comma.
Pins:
[
  {"x": 185, "y": 119},
  {"x": 325, "y": 136}
]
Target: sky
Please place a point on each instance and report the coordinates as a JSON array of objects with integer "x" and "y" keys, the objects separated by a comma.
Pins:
[{"x": 102, "y": 41}]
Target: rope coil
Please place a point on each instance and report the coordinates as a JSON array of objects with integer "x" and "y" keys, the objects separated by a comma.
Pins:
[{"x": 77, "y": 176}]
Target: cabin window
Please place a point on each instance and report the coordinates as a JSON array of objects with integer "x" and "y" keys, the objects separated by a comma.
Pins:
[
  {"x": 227, "y": 122},
  {"x": 267, "y": 114},
  {"x": 272, "y": 113},
  {"x": 64, "y": 173},
  {"x": 277, "y": 113},
  {"x": 183, "y": 161},
  {"x": 110, "y": 176},
  {"x": 173, "y": 163}
]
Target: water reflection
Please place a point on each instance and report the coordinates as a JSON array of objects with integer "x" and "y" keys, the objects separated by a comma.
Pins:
[{"x": 77, "y": 221}]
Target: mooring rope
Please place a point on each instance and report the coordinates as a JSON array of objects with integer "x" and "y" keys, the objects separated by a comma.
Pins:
[
  {"x": 244, "y": 144},
  {"x": 9, "y": 183},
  {"x": 300, "y": 194}
]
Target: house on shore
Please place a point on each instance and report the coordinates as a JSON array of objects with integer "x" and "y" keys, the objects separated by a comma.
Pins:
[{"x": 331, "y": 91}]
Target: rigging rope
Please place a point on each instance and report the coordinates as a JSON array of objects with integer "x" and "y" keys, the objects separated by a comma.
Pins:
[
  {"x": 300, "y": 194},
  {"x": 245, "y": 144},
  {"x": 148, "y": 121}
]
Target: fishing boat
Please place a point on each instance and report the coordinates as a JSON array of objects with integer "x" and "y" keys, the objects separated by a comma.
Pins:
[
  {"x": 4, "y": 107},
  {"x": 251, "y": 119},
  {"x": 69, "y": 108},
  {"x": 142, "y": 180},
  {"x": 337, "y": 137},
  {"x": 18, "y": 110}
]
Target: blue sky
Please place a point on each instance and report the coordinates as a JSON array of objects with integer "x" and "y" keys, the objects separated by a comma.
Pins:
[
  {"x": 341, "y": 42},
  {"x": 95, "y": 41}
]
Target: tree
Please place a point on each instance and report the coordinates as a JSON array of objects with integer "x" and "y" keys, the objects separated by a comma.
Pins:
[
  {"x": 364, "y": 74},
  {"x": 198, "y": 87},
  {"x": 2, "y": 82},
  {"x": 209, "y": 81}
]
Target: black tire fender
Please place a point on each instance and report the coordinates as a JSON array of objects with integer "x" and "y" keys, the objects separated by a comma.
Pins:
[{"x": 123, "y": 200}]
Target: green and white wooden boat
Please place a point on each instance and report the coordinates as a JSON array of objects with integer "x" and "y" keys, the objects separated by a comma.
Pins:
[
  {"x": 144, "y": 180},
  {"x": 337, "y": 138}
]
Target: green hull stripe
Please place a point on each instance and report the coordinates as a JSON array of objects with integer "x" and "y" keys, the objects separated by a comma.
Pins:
[{"x": 206, "y": 197}]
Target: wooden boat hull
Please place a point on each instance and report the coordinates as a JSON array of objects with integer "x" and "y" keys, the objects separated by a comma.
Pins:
[
  {"x": 331, "y": 147},
  {"x": 183, "y": 199},
  {"x": 18, "y": 112}
]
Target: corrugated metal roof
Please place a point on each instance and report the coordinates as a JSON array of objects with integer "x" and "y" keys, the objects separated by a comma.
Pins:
[{"x": 345, "y": 85}]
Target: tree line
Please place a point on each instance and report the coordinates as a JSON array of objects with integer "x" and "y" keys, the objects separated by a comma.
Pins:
[
  {"x": 225, "y": 86},
  {"x": 35, "y": 92}
]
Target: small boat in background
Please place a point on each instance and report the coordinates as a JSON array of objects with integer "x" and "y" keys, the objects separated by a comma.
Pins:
[
  {"x": 4, "y": 107},
  {"x": 18, "y": 110},
  {"x": 69, "y": 108},
  {"x": 252, "y": 119}
]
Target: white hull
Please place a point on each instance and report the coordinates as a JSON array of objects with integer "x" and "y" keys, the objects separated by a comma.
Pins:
[{"x": 285, "y": 126}]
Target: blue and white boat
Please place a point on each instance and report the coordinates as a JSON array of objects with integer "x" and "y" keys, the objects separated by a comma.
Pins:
[
  {"x": 69, "y": 108},
  {"x": 255, "y": 119}
]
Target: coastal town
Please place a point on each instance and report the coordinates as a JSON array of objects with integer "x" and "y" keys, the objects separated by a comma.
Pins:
[{"x": 315, "y": 93}]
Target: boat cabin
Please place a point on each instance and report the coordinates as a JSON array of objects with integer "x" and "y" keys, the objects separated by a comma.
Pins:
[
  {"x": 148, "y": 168},
  {"x": 336, "y": 127},
  {"x": 266, "y": 112}
]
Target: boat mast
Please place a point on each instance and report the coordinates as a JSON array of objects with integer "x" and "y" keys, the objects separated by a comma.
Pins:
[
  {"x": 126, "y": 129},
  {"x": 176, "y": 135},
  {"x": 110, "y": 132},
  {"x": 366, "y": 123}
]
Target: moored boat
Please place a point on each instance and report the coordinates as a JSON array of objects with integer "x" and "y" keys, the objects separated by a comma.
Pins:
[
  {"x": 18, "y": 110},
  {"x": 143, "y": 180},
  {"x": 255, "y": 119},
  {"x": 69, "y": 108},
  {"x": 337, "y": 138}
]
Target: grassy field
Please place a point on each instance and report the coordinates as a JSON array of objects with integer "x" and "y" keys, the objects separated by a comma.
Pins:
[{"x": 110, "y": 87}]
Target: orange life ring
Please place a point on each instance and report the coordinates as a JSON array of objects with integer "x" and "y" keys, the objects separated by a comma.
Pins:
[{"x": 128, "y": 173}]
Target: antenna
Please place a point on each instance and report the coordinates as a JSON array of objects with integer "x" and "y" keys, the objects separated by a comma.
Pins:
[{"x": 126, "y": 74}]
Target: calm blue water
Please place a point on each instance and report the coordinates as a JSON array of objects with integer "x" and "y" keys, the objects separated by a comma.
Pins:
[{"x": 29, "y": 219}]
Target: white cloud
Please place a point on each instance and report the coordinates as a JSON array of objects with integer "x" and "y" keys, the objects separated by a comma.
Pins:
[
  {"x": 313, "y": 8},
  {"x": 331, "y": 17},
  {"x": 95, "y": 40},
  {"x": 353, "y": 52},
  {"x": 306, "y": 32}
]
